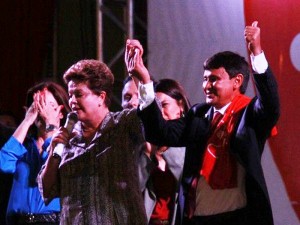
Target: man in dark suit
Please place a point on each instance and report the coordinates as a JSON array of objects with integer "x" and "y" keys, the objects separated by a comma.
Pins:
[{"x": 223, "y": 181}]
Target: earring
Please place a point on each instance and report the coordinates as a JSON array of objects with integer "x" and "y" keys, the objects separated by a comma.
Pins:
[{"x": 182, "y": 114}]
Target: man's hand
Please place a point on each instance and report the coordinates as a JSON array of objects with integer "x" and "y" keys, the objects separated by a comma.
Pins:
[
  {"x": 252, "y": 36},
  {"x": 134, "y": 61}
]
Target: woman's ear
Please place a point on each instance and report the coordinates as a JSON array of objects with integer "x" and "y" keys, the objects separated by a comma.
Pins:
[
  {"x": 180, "y": 104},
  {"x": 102, "y": 97},
  {"x": 60, "y": 115}
]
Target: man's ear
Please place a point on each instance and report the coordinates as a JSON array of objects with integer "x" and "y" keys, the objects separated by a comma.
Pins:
[{"x": 238, "y": 81}]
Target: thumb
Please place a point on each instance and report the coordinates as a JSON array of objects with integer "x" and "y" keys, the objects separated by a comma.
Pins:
[{"x": 254, "y": 24}]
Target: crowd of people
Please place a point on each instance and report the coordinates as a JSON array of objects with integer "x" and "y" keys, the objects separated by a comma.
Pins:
[
  {"x": 222, "y": 181},
  {"x": 158, "y": 161},
  {"x": 160, "y": 167}
]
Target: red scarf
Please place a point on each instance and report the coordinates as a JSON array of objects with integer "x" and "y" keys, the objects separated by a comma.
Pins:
[{"x": 219, "y": 167}]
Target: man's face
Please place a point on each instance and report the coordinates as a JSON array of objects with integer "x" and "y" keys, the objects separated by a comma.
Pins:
[
  {"x": 218, "y": 88},
  {"x": 130, "y": 95}
]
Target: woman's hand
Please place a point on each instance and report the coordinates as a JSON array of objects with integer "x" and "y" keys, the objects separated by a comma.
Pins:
[
  {"x": 60, "y": 136},
  {"x": 30, "y": 117},
  {"x": 50, "y": 112},
  {"x": 31, "y": 114},
  {"x": 134, "y": 61}
]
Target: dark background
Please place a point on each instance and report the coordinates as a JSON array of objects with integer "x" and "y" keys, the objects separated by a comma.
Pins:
[{"x": 40, "y": 39}]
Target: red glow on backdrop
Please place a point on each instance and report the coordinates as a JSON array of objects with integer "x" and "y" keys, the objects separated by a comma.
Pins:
[{"x": 280, "y": 23}]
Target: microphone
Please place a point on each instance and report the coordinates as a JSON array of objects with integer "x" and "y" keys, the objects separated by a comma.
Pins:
[{"x": 72, "y": 119}]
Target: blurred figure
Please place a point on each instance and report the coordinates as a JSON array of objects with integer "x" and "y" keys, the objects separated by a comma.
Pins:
[
  {"x": 25, "y": 152},
  {"x": 129, "y": 94},
  {"x": 8, "y": 123},
  {"x": 8, "y": 119},
  {"x": 96, "y": 175}
]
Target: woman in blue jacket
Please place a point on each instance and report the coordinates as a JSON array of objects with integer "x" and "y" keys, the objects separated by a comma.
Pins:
[{"x": 25, "y": 152}]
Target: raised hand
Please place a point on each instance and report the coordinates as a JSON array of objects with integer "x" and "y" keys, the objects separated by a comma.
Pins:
[
  {"x": 134, "y": 61},
  {"x": 60, "y": 136},
  {"x": 252, "y": 36},
  {"x": 31, "y": 113},
  {"x": 48, "y": 109},
  {"x": 30, "y": 117},
  {"x": 133, "y": 50}
]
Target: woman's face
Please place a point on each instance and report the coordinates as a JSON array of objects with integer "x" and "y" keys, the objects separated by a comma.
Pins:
[
  {"x": 49, "y": 99},
  {"x": 83, "y": 101},
  {"x": 171, "y": 108}
]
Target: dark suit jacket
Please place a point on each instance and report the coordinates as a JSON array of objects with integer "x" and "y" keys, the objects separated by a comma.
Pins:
[{"x": 247, "y": 143}]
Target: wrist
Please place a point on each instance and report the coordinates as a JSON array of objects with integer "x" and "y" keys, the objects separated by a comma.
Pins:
[
  {"x": 146, "y": 78},
  {"x": 27, "y": 122},
  {"x": 50, "y": 127},
  {"x": 256, "y": 51},
  {"x": 56, "y": 156}
]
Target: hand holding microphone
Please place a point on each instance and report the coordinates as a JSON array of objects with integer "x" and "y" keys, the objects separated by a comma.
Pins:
[{"x": 72, "y": 119}]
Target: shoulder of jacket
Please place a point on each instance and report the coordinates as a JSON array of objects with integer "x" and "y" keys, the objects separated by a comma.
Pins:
[{"x": 199, "y": 109}]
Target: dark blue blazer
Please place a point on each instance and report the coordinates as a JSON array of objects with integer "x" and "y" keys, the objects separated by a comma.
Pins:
[{"x": 251, "y": 132}]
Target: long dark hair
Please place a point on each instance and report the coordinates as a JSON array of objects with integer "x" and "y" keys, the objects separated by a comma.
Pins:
[{"x": 173, "y": 89}]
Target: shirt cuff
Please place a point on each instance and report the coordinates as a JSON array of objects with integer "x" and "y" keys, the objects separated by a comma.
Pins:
[
  {"x": 259, "y": 63},
  {"x": 146, "y": 95},
  {"x": 13, "y": 146}
]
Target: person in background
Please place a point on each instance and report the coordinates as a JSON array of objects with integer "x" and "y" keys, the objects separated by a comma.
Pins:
[
  {"x": 162, "y": 187},
  {"x": 160, "y": 167},
  {"x": 223, "y": 181},
  {"x": 25, "y": 152},
  {"x": 129, "y": 94},
  {"x": 96, "y": 176},
  {"x": 8, "y": 119},
  {"x": 8, "y": 123}
]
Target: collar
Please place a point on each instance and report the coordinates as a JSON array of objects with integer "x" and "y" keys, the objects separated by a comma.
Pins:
[{"x": 223, "y": 109}]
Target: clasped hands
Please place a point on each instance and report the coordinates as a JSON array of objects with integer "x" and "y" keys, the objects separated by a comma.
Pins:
[{"x": 134, "y": 61}]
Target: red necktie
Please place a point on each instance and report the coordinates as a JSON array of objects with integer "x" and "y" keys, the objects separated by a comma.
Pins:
[{"x": 216, "y": 119}]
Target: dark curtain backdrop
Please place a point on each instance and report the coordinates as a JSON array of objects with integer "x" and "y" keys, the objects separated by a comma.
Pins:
[
  {"x": 26, "y": 31},
  {"x": 40, "y": 39}
]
